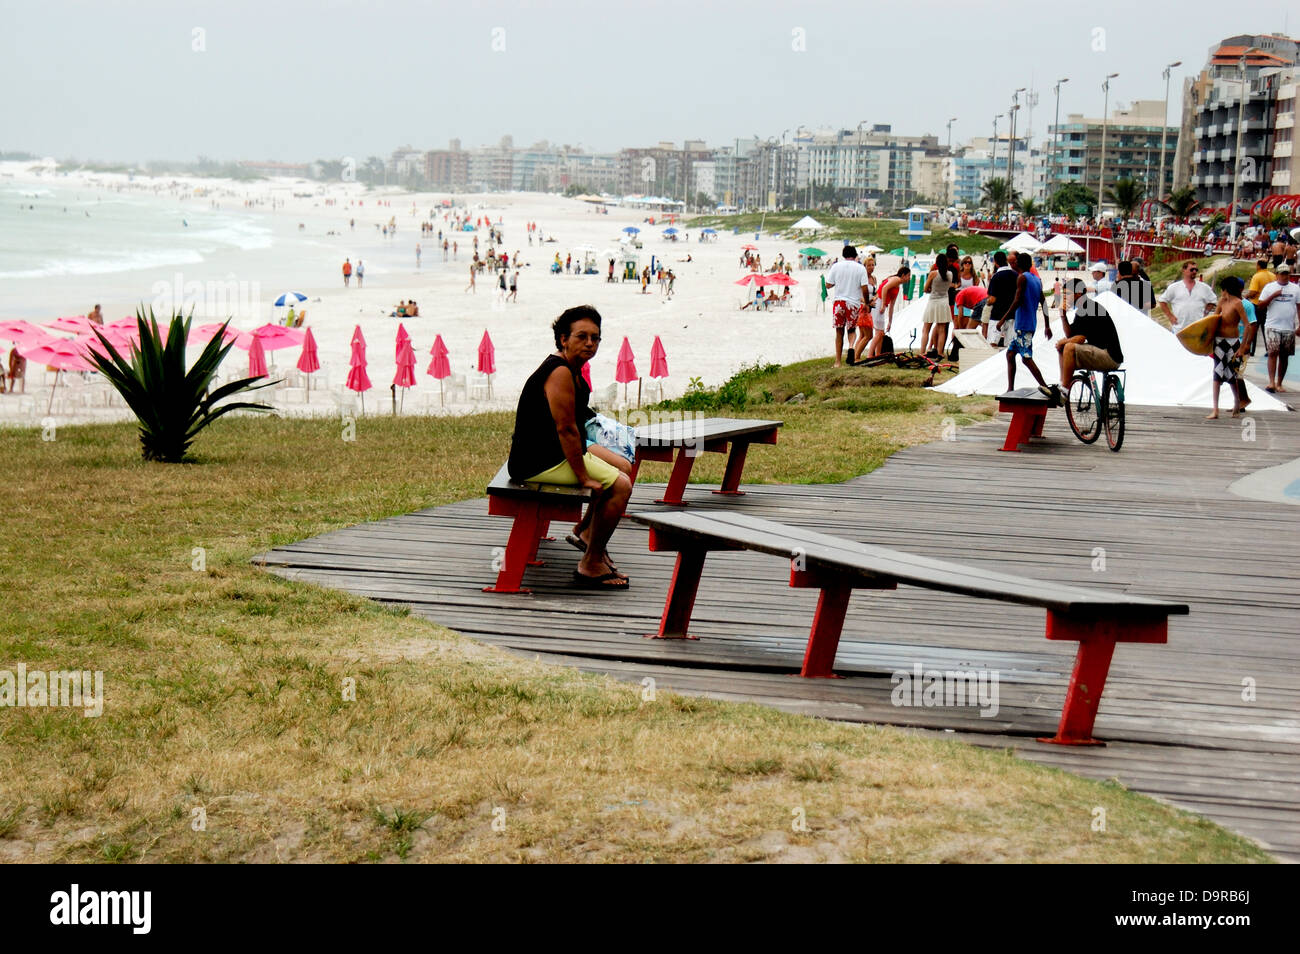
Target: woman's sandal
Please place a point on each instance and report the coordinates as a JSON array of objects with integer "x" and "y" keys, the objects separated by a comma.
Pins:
[{"x": 606, "y": 581}]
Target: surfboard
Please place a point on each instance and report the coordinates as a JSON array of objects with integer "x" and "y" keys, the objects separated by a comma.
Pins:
[{"x": 1198, "y": 337}]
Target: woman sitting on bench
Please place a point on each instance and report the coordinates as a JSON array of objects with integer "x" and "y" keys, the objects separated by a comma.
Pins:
[{"x": 549, "y": 447}]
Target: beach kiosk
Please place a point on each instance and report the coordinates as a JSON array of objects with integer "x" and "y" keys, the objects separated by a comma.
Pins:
[{"x": 915, "y": 223}]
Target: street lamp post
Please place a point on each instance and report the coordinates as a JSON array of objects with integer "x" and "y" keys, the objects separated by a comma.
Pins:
[
  {"x": 1236, "y": 164},
  {"x": 857, "y": 164},
  {"x": 947, "y": 190},
  {"x": 1011, "y": 140},
  {"x": 1164, "y": 128},
  {"x": 1056, "y": 132},
  {"x": 993, "y": 162},
  {"x": 1101, "y": 172}
]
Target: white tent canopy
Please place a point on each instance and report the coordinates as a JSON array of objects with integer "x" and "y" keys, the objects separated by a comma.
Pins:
[
  {"x": 1060, "y": 245},
  {"x": 1161, "y": 372},
  {"x": 807, "y": 224},
  {"x": 1024, "y": 242}
]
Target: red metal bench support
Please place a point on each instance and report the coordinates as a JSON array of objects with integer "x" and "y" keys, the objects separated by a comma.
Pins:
[
  {"x": 533, "y": 517},
  {"x": 828, "y": 620},
  {"x": 1097, "y": 639},
  {"x": 1026, "y": 421},
  {"x": 685, "y": 584}
]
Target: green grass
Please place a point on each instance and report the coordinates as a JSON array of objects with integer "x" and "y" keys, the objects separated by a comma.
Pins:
[
  {"x": 226, "y": 686},
  {"x": 882, "y": 232}
]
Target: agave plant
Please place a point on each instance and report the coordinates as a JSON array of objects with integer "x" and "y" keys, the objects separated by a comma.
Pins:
[{"x": 171, "y": 401}]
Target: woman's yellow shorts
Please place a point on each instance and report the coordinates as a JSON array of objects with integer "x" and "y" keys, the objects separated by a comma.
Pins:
[{"x": 563, "y": 474}]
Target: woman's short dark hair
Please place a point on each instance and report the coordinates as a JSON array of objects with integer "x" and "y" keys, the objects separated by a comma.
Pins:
[{"x": 565, "y": 322}]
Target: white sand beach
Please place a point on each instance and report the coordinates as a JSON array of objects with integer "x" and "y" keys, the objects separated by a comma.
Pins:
[{"x": 703, "y": 331}]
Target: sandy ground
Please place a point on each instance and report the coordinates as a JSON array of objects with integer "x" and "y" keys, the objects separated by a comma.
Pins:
[{"x": 702, "y": 329}]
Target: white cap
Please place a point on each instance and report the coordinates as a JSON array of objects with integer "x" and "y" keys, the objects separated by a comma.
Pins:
[{"x": 1097, "y": 267}]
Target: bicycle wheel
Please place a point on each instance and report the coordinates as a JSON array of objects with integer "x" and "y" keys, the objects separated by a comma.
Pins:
[
  {"x": 1112, "y": 407},
  {"x": 1081, "y": 409}
]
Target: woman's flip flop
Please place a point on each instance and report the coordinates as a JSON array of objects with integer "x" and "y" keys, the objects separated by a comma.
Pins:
[{"x": 606, "y": 581}]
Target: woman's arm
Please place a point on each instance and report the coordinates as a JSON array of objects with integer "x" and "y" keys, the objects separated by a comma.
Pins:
[{"x": 562, "y": 400}]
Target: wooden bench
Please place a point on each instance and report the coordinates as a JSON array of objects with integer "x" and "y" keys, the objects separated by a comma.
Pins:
[
  {"x": 534, "y": 506},
  {"x": 1096, "y": 619},
  {"x": 691, "y": 437},
  {"x": 1028, "y": 407}
]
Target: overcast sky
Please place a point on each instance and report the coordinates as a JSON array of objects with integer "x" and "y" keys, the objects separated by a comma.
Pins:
[{"x": 293, "y": 80}]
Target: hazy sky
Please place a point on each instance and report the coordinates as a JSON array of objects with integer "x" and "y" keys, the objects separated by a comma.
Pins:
[{"x": 291, "y": 80}]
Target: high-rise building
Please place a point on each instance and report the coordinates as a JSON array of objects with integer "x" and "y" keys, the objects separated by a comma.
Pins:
[
  {"x": 1133, "y": 137},
  {"x": 1251, "y": 77}
]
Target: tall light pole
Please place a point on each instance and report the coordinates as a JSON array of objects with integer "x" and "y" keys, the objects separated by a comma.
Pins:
[
  {"x": 993, "y": 162},
  {"x": 947, "y": 190},
  {"x": 1011, "y": 140},
  {"x": 857, "y": 163},
  {"x": 1236, "y": 165},
  {"x": 1105, "y": 109},
  {"x": 1056, "y": 132},
  {"x": 1164, "y": 128}
]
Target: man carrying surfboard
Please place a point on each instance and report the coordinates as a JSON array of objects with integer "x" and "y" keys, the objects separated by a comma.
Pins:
[{"x": 1229, "y": 346}]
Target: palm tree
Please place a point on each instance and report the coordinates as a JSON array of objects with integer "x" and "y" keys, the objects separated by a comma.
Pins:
[
  {"x": 1030, "y": 209},
  {"x": 1182, "y": 202},
  {"x": 999, "y": 194},
  {"x": 1126, "y": 195}
]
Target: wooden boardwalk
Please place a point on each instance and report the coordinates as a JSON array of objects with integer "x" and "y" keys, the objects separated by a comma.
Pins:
[{"x": 1209, "y": 722}]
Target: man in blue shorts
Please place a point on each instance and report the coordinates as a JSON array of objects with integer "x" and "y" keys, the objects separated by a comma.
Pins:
[{"x": 1024, "y": 309}]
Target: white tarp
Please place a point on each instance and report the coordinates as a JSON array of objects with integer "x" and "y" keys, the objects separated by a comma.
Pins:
[{"x": 1161, "y": 372}]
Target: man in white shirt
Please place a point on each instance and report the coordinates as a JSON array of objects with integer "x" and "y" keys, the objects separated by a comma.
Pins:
[
  {"x": 1281, "y": 299},
  {"x": 1100, "y": 283},
  {"x": 1188, "y": 299},
  {"x": 847, "y": 278}
]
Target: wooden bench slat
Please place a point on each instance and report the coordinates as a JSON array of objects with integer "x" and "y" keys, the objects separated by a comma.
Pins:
[
  {"x": 701, "y": 429},
  {"x": 884, "y": 563}
]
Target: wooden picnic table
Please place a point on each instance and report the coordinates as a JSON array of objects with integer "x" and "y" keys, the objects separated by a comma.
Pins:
[{"x": 691, "y": 437}]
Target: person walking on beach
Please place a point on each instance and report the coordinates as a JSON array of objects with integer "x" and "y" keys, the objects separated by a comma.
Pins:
[
  {"x": 514, "y": 286},
  {"x": 1024, "y": 312},
  {"x": 417, "y": 257},
  {"x": 848, "y": 280},
  {"x": 445, "y": 246},
  {"x": 455, "y": 247},
  {"x": 472, "y": 287},
  {"x": 361, "y": 272},
  {"x": 347, "y": 272}
]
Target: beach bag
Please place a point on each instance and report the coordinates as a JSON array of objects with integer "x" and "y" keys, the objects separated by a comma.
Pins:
[
  {"x": 612, "y": 435},
  {"x": 887, "y": 345}
]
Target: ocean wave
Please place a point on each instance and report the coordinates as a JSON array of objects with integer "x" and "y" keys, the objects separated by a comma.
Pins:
[{"x": 105, "y": 266}]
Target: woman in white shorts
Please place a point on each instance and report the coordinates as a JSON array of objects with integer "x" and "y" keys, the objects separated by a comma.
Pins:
[{"x": 937, "y": 310}]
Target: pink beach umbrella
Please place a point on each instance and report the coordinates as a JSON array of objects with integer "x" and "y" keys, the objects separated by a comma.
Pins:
[
  {"x": 22, "y": 332},
  {"x": 440, "y": 366},
  {"x": 308, "y": 362},
  {"x": 203, "y": 333},
  {"x": 625, "y": 372},
  {"x": 276, "y": 337},
  {"x": 256, "y": 359},
  {"x": 487, "y": 359},
  {"x": 659, "y": 363},
  {"x": 405, "y": 376},
  {"x": 79, "y": 324},
  {"x": 57, "y": 353},
  {"x": 358, "y": 380}
]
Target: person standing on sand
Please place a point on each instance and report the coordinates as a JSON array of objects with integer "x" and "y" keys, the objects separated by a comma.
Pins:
[
  {"x": 848, "y": 279},
  {"x": 347, "y": 272},
  {"x": 361, "y": 272},
  {"x": 472, "y": 278},
  {"x": 514, "y": 285},
  {"x": 445, "y": 246},
  {"x": 417, "y": 258},
  {"x": 455, "y": 247},
  {"x": 96, "y": 316},
  {"x": 1024, "y": 310}
]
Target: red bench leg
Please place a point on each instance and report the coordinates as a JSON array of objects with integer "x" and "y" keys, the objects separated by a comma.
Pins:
[
  {"x": 735, "y": 464},
  {"x": 824, "y": 640},
  {"x": 677, "y": 482},
  {"x": 520, "y": 549},
  {"x": 1018, "y": 432},
  {"x": 681, "y": 595}
]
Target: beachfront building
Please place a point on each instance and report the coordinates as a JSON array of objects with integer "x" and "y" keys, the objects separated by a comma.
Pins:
[
  {"x": 1213, "y": 100},
  {"x": 406, "y": 164},
  {"x": 932, "y": 177},
  {"x": 978, "y": 161},
  {"x": 592, "y": 172},
  {"x": 867, "y": 167},
  {"x": 447, "y": 168},
  {"x": 1133, "y": 140},
  {"x": 664, "y": 169}
]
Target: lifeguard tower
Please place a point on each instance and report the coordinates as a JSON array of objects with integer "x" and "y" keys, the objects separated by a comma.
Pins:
[{"x": 915, "y": 223}]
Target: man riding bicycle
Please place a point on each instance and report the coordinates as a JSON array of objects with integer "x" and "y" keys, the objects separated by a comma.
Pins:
[{"x": 1090, "y": 342}]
